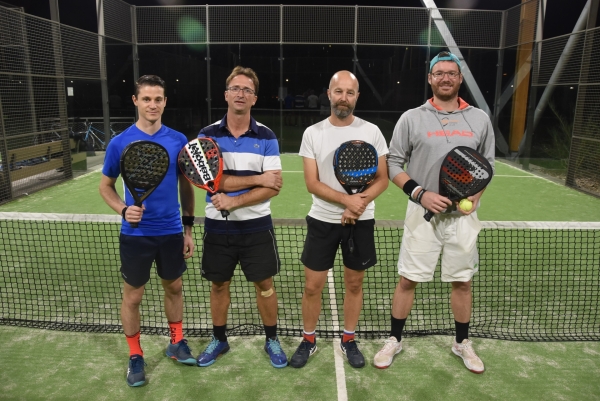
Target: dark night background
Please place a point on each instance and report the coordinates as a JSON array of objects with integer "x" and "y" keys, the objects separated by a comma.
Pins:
[{"x": 397, "y": 73}]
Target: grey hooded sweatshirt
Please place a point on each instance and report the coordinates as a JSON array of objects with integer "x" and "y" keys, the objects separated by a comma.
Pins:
[{"x": 423, "y": 137}]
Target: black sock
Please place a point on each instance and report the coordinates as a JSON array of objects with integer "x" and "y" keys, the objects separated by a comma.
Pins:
[
  {"x": 397, "y": 327},
  {"x": 219, "y": 332},
  {"x": 462, "y": 331},
  {"x": 271, "y": 331}
]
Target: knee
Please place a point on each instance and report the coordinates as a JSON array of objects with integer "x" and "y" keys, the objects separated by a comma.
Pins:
[
  {"x": 406, "y": 284},
  {"x": 173, "y": 288},
  {"x": 354, "y": 287},
  {"x": 220, "y": 288},
  {"x": 462, "y": 287},
  {"x": 313, "y": 289}
]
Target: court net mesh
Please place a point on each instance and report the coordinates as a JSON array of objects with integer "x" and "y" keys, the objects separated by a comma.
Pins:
[{"x": 536, "y": 282}]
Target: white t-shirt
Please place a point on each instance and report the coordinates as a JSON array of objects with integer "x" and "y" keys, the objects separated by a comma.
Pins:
[{"x": 320, "y": 142}]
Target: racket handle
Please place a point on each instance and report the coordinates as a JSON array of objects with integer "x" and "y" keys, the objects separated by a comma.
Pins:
[
  {"x": 351, "y": 239},
  {"x": 224, "y": 213},
  {"x": 428, "y": 215},
  {"x": 135, "y": 225}
]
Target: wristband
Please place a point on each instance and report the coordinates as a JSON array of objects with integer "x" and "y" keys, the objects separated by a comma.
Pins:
[
  {"x": 420, "y": 196},
  {"x": 415, "y": 190},
  {"x": 409, "y": 187},
  {"x": 123, "y": 212},
  {"x": 187, "y": 220}
]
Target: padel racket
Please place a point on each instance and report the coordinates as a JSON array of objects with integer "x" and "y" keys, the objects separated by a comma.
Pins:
[
  {"x": 464, "y": 173},
  {"x": 144, "y": 164},
  {"x": 201, "y": 163},
  {"x": 355, "y": 164}
]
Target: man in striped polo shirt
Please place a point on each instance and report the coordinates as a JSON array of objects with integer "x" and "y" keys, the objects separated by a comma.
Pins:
[{"x": 252, "y": 176}]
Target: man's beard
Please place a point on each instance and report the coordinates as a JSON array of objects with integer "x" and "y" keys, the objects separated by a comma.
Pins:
[
  {"x": 342, "y": 113},
  {"x": 446, "y": 96}
]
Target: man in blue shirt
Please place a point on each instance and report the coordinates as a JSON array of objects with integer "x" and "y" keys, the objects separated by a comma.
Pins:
[
  {"x": 158, "y": 236},
  {"x": 252, "y": 176}
]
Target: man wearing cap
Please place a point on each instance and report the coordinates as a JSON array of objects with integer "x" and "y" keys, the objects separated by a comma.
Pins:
[{"x": 422, "y": 138}]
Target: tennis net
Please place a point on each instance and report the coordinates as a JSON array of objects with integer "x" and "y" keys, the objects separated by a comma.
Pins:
[{"x": 536, "y": 282}]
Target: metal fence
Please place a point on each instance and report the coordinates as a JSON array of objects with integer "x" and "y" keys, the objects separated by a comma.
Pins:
[{"x": 50, "y": 72}]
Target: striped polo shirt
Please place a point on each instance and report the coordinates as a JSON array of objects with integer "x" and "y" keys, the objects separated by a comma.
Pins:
[{"x": 254, "y": 152}]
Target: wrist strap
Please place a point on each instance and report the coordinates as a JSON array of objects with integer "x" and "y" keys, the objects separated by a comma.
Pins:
[
  {"x": 187, "y": 220},
  {"x": 409, "y": 186},
  {"x": 123, "y": 212}
]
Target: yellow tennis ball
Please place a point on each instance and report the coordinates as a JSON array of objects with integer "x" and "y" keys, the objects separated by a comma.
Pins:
[{"x": 466, "y": 205}]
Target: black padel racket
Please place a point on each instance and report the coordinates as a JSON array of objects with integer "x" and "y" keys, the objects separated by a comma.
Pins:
[
  {"x": 355, "y": 164},
  {"x": 464, "y": 173},
  {"x": 201, "y": 163},
  {"x": 144, "y": 164}
]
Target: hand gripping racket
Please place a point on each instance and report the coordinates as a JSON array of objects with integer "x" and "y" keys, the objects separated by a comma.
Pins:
[
  {"x": 355, "y": 164},
  {"x": 201, "y": 163},
  {"x": 464, "y": 173},
  {"x": 144, "y": 164}
]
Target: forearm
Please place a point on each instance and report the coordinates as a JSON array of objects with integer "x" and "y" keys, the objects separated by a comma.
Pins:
[
  {"x": 232, "y": 183},
  {"x": 377, "y": 187},
  {"x": 253, "y": 197},
  {"x": 111, "y": 197},
  {"x": 326, "y": 193}
]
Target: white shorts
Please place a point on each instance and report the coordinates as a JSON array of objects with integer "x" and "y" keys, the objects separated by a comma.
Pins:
[{"x": 423, "y": 241}]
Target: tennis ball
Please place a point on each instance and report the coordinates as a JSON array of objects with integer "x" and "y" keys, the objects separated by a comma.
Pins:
[{"x": 466, "y": 205}]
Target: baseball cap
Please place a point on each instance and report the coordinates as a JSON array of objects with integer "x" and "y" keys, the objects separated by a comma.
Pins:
[{"x": 444, "y": 56}]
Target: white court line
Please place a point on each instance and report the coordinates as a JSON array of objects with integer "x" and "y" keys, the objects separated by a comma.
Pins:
[
  {"x": 531, "y": 174},
  {"x": 340, "y": 374},
  {"x": 89, "y": 171}
]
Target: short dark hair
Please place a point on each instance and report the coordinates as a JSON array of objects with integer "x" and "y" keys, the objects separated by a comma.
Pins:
[
  {"x": 249, "y": 72},
  {"x": 150, "y": 80}
]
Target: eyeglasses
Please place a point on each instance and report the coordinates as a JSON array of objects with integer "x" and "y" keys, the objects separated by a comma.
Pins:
[
  {"x": 236, "y": 89},
  {"x": 440, "y": 74}
]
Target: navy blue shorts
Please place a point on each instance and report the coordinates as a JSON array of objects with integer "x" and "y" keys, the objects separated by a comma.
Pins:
[
  {"x": 323, "y": 240},
  {"x": 256, "y": 253},
  {"x": 138, "y": 253}
]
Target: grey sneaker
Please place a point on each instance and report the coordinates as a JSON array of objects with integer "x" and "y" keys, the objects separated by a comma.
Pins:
[
  {"x": 384, "y": 358},
  {"x": 467, "y": 353}
]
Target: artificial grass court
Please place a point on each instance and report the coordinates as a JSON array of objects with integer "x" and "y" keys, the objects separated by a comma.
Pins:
[
  {"x": 52, "y": 365},
  {"x": 42, "y": 364},
  {"x": 513, "y": 195}
]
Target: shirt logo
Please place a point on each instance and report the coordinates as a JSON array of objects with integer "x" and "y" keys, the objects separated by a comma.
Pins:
[
  {"x": 449, "y": 133},
  {"x": 256, "y": 145}
]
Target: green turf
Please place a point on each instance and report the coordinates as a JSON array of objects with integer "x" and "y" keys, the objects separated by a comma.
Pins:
[
  {"x": 513, "y": 195},
  {"x": 52, "y": 365}
]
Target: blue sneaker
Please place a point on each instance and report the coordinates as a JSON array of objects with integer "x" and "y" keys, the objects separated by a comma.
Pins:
[
  {"x": 273, "y": 348},
  {"x": 135, "y": 372},
  {"x": 181, "y": 353},
  {"x": 214, "y": 349}
]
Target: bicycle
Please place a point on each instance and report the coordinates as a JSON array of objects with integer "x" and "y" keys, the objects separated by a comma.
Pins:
[{"x": 94, "y": 138}]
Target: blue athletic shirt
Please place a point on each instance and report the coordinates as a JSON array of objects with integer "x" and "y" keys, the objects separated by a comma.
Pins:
[
  {"x": 254, "y": 152},
  {"x": 161, "y": 216}
]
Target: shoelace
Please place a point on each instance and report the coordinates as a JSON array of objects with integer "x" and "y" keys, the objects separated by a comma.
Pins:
[
  {"x": 137, "y": 365},
  {"x": 389, "y": 344},
  {"x": 306, "y": 345},
  {"x": 211, "y": 347},
  {"x": 274, "y": 346},
  {"x": 183, "y": 346},
  {"x": 351, "y": 346}
]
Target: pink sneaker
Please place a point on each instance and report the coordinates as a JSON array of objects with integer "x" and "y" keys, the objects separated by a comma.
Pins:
[{"x": 384, "y": 358}]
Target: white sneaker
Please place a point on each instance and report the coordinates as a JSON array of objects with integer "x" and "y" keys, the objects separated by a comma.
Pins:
[
  {"x": 467, "y": 353},
  {"x": 384, "y": 358}
]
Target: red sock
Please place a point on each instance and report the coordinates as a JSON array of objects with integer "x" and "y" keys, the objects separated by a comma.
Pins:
[
  {"x": 134, "y": 344},
  {"x": 347, "y": 336},
  {"x": 176, "y": 331},
  {"x": 309, "y": 337}
]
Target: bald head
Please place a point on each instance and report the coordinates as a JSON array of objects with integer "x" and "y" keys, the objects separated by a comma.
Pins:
[
  {"x": 345, "y": 76},
  {"x": 343, "y": 94}
]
